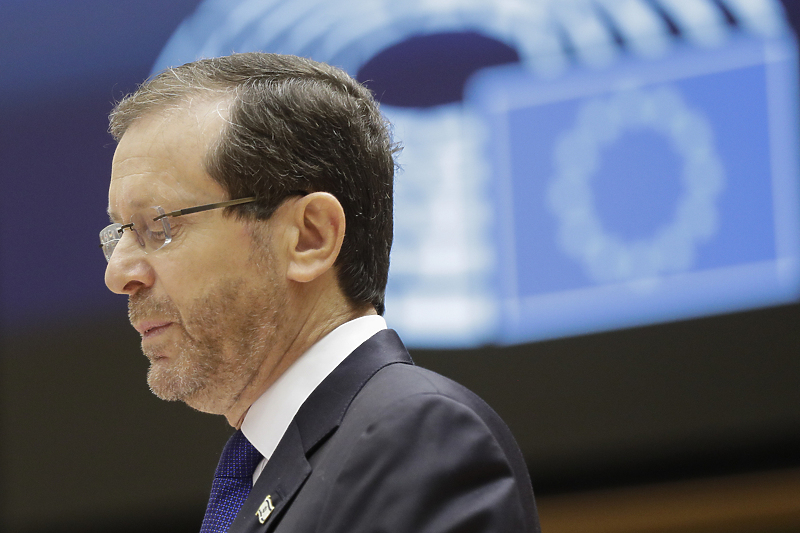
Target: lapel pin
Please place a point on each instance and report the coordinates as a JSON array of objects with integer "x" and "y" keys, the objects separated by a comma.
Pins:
[{"x": 265, "y": 509}]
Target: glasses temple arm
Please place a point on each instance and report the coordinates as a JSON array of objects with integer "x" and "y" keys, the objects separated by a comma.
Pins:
[{"x": 206, "y": 207}]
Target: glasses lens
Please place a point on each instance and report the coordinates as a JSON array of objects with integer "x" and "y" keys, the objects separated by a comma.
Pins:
[
  {"x": 109, "y": 238},
  {"x": 152, "y": 234}
]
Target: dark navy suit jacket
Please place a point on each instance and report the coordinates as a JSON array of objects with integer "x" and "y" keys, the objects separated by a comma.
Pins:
[{"x": 383, "y": 446}]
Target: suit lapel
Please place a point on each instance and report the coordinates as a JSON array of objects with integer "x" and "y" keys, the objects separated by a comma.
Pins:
[
  {"x": 317, "y": 419},
  {"x": 283, "y": 475}
]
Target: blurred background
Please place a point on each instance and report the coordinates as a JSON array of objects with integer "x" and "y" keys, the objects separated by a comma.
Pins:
[{"x": 597, "y": 230}]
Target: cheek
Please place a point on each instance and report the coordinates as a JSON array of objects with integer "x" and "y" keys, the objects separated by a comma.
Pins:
[
  {"x": 210, "y": 252},
  {"x": 178, "y": 286},
  {"x": 208, "y": 259},
  {"x": 238, "y": 252}
]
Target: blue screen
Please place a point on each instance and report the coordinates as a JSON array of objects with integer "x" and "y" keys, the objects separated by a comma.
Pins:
[{"x": 649, "y": 192}]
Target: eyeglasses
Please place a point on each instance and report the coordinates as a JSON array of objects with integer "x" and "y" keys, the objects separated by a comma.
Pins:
[{"x": 152, "y": 228}]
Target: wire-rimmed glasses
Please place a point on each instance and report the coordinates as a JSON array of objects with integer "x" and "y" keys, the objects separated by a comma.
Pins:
[{"x": 151, "y": 226}]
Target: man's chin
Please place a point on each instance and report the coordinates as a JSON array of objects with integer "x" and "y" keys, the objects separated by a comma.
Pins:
[
  {"x": 167, "y": 386},
  {"x": 194, "y": 393}
]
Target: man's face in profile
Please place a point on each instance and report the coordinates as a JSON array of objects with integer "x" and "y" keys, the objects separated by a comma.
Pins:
[{"x": 207, "y": 303}]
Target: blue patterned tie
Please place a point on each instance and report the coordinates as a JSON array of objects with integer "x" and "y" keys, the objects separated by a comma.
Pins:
[{"x": 232, "y": 483}]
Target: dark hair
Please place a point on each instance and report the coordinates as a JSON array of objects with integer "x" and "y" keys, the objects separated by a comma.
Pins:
[{"x": 294, "y": 125}]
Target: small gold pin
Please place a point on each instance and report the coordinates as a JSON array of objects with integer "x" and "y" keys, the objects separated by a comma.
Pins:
[{"x": 265, "y": 509}]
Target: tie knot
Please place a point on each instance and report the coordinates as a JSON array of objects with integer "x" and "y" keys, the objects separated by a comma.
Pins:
[{"x": 239, "y": 458}]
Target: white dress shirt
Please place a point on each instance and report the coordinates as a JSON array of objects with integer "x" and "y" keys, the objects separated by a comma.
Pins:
[{"x": 270, "y": 415}]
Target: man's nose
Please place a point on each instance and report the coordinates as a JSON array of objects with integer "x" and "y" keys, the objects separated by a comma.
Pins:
[{"x": 128, "y": 269}]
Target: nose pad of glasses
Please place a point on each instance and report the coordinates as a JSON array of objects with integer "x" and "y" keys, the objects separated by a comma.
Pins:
[{"x": 139, "y": 237}]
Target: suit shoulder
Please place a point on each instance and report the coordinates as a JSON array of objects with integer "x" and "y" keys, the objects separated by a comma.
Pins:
[
  {"x": 404, "y": 382},
  {"x": 404, "y": 390},
  {"x": 435, "y": 440}
]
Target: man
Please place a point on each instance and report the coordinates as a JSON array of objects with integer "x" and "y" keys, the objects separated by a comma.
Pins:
[{"x": 251, "y": 209}]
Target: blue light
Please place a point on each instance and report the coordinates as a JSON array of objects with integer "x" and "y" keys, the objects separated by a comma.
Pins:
[
  {"x": 637, "y": 165},
  {"x": 730, "y": 240}
]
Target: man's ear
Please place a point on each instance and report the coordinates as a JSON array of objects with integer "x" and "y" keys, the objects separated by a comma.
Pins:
[{"x": 318, "y": 224}]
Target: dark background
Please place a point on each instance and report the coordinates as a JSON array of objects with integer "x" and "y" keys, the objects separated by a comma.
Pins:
[{"x": 86, "y": 447}]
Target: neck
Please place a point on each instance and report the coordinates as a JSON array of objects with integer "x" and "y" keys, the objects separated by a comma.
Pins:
[{"x": 309, "y": 328}]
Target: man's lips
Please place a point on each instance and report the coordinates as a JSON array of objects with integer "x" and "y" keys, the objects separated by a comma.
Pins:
[{"x": 151, "y": 328}]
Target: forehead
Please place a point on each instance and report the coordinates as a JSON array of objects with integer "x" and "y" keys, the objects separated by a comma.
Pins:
[{"x": 160, "y": 159}]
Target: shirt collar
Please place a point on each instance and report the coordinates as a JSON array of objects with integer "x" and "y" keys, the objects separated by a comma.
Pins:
[{"x": 269, "y": 416}]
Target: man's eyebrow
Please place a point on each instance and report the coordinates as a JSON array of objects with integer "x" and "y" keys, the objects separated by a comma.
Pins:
[{"x": 137, "y": 204}]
